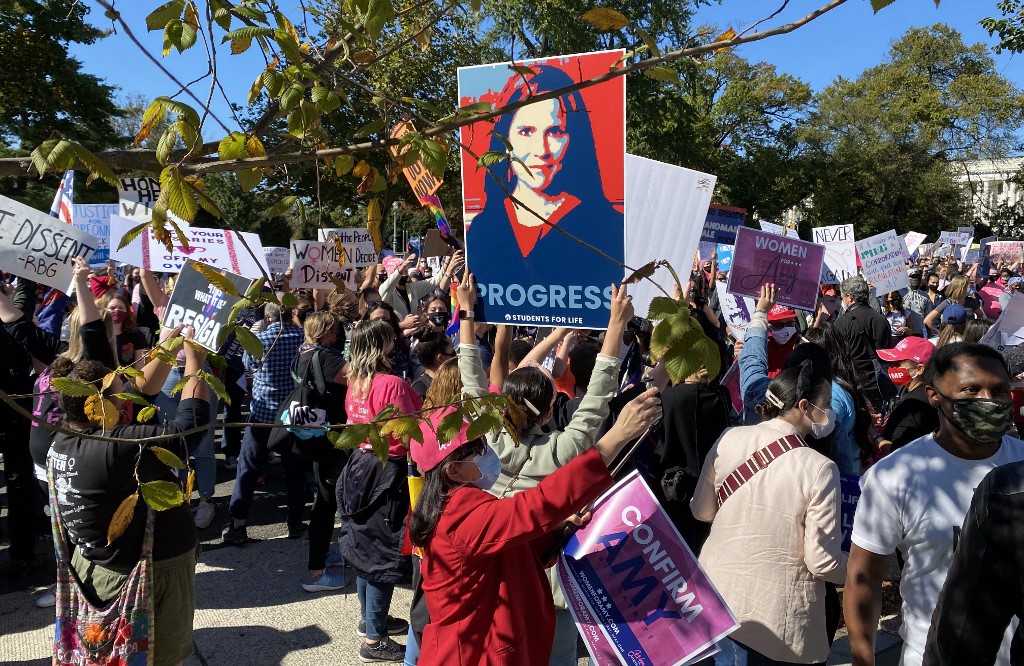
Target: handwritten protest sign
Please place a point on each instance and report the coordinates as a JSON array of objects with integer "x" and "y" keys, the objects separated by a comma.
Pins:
[
  {"x": 277, "y": 259},
  {"x": 636, "y": 591},
  {"x": 1006, "y": 252},
  {"x": 422, "y": 182},
  {"x": 849, "y": 493},
  {"x": 881, "y": 257},
  {"x": 736, "y": 310},
  {"x": 38, "y": 247},
  {"x": 705, "y": 249},
  {"x": 912, "y": 241},
  {"x": 313, "y": 263},
  {"x": 721, "y": 224},
  {"x": 94, "y": 219},
  {"x": 772, "y": 228},
  {"x": 792, "y": 265},
  {"x": 667, "y": 208},
  {"x": 840, "y": 252},
  {"x": 952, "y": 238},
  {"x": 215, "y": 247},
  {"x": 197, "y": 303}
]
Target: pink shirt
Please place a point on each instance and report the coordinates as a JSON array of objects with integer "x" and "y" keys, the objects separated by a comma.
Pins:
[
  {"x": 384, "y": 390},
  {"x": 989, "y": 295}
]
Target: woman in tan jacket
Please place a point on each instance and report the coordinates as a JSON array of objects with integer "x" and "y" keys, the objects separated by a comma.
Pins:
[{"x": 775, "y": 537}]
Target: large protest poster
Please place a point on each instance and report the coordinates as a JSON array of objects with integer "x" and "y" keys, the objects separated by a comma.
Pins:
[
  {"x": 721, "y": 224},
  {"x": 41, "y": 248},
  {"x": 792, "y": 265},
  {"x": 1006, "y": 252},
  {"x": 278, "y": 259},
  {"x": 665, "y": 212},
  {"x": 664, "y": 610},
  {"x": 198, "y": 303},
  {"x": 881, "y": 257},
  {"x": 840, "y": 252},
  {"x": 94, "y": 219},
  {"x": 314, "y": 263},
  {"x": 567, "y": 167},
  {"x": 215, "y": 247}
]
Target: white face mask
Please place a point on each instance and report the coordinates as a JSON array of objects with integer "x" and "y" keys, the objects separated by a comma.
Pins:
[
  {"x": 820, "y": 430},
  {"x": 783, "y": 335}
]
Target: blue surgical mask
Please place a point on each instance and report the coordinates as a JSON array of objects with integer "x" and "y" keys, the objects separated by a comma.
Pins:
[{"x": 490, "y": 467}]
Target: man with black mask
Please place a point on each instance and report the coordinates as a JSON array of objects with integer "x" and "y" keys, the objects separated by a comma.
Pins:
[{"x": 915, "y": 298}]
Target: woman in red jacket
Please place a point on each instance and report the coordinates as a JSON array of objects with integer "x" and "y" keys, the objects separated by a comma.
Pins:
[{"x": 483, "y": 578}]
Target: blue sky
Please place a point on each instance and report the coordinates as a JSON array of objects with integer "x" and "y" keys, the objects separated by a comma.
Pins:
[{"x": 844, "y": 42}]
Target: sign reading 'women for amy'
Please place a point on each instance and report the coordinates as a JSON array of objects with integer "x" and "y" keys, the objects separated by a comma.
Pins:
[
  {"x": 636, "y": 591},
  {"x": 564, "y": 170},
  {"x": 881, "y": 257},
  {"x": 40, "y": 248},
  {"x": 792, "y": 265}
]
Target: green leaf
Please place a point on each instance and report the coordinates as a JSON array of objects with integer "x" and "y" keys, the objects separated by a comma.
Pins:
[
  {"x": 450, "y": 426},
  {"x": 661, "y": 307},
  {"x": 491, "y": 157},
  {"x": 651, "y": 43},
  {"x": 248, "y": 32},
  {"x": 160, "y": 16},
  {"x": 221, "y": 14},
  {"x": 249, "y": 12},
  {"x": 168, "y": 458},
  {"x": 161, "y": 495},
  {"x": 879, "y": 5},
  {"x": 369, "y": 128},
  {"x": 525, "y": 70},
  {"x": 188, "y": 37},
  {"x": 485, "y": 423},
  {"x": 273, "y": 81},
  {"x": 255, "y": 290},
  {"x": 434, "y": 156},
  {"x": 289, "y": 300},
  {"x": 662, "y": 73},
  {"x": 303, "y": 120},
  {"x": 283, "y": 205},
  {"x": 249, "y": 342},
  {"x": 343, "y": 164},
  {"x": 146, "y": 414},
  {"x": 132, "y": 234},
  {"x": 403, "y": 429},
  {"x": 351, "y": 437},
  {"x": 380, "y": 444},
  {"x": 222, "y": 282},
  {"x": 133, "y": 398},
  {"x": 74, "y": 388},
  {"x": 669, "y": 330},
  {"x": 291, "y": 97},
  {"x": 232, "y": 147},
  {"x": 484, "y": 107},
  {"x": 248, "y": 179},
  {"x": 180, "y": 199},
  {"x": 166, "y": 144},
  {"x": 378, "y": 14},
  {"x": 218, "y": 387},
  {"x": 604, "y": 19}
]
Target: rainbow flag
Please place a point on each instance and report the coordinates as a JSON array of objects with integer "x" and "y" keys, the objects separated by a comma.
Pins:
[
  {"x": 434, "y": 204},
  {"x": 453, "y": 325}
]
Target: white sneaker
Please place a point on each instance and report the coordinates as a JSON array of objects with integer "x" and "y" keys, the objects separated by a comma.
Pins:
[
  {"x": 204, "y": 514},
  {"x": 47, "y": 599}
]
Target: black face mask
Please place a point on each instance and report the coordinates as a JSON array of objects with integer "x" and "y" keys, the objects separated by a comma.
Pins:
[
  {"x": 933, "y": 287},
  {"x": 438, "y": 319}
]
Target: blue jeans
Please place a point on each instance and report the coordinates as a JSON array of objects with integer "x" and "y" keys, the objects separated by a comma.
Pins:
[
  {"x": 563, "y": 650},
  {"x": 206, "y": 464},
  {"x": 251, "y": 461},
  {"x": 737, "y": 654},
  {"x": 412, "y": 649},
  {"x": 374, "y": 604}
]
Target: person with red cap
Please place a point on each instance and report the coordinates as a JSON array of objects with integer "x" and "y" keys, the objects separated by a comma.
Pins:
[
  {"x": 783, "y": 336},
  {"x": 483, "y": 578},
  {"x": 911, "y": 415}
]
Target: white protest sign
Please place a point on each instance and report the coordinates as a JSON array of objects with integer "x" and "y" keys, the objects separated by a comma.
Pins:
[
  {"x": 881, "y": 257},
  {"x": 840, "y": 252},
  {"x": 136, "y": 198},
  {"x": 1008, "y": 331},
  {"x": 666, "y": 207},
  {"x": 277, "y": 259},
  {"x": 772, "y": 228},
  {"x": 357, "y": 244},
  {"x": 38, "y": 247},
  {"x": 736, "y": 310},
  {"x": 94, "y": 219},
  {"x": 214, "y": 247},
  {"x": 965, "y": 249},
  {"x": 313, "y": 263},
  {"x": 954, "y": 238},
  {"x": 911, "y": 241}
]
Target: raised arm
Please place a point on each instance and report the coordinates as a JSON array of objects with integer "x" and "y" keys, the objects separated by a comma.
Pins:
[
  {"x": 151, "y": 286},
  {"x": 87, "y": 309},
  {"x": 541, "y": 350},
  {"x": 474, "y": 379},
  {"x": 499, "y": 362}
]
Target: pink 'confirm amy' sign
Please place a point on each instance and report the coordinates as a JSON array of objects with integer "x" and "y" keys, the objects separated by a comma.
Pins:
[
  {"x": 792, "y": 265},
  {"x": 636, "y": 591}
]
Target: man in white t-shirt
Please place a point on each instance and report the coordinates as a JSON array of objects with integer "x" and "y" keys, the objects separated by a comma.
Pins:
[{"x": 915, "y": 500}]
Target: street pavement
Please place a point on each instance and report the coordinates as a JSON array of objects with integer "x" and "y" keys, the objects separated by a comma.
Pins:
[{"x": 251, "y": 608}]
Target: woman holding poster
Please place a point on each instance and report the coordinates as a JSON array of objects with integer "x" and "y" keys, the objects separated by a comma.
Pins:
[{"x": 563, "y": 173}]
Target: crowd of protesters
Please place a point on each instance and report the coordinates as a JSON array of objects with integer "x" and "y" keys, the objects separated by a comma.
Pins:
[{"x": 895, "y": 388}]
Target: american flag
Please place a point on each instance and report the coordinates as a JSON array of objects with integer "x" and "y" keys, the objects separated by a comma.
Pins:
[{"x": 61, "y": 208}]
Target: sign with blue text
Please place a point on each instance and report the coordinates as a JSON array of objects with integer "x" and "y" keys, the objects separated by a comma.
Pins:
[{"x": 94, "y": 219}]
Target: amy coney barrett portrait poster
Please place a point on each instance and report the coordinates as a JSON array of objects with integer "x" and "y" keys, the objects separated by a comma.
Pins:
[{"x": 561, "y": 182}]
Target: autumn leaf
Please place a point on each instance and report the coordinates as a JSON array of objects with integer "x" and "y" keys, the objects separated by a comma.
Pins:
[
  {"x": 645, "y": 271},
  {"x": 403, "y": 429},
  {"x": 190, "y": 483},
  {"x": 146, "y": 413},
  {"x": 216, "y": 279},
  {"x": 101, "y": 412},
  {"x": 605, "y": 19},
  {"x": 724, "y": 37},
  {"x": 122, "y": 517},
  {"x": 168, "y": 458},
  {"x": 74, "y": 388}
]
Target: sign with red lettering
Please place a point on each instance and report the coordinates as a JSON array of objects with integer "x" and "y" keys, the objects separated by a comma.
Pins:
[{"x": 635, "y": 589}]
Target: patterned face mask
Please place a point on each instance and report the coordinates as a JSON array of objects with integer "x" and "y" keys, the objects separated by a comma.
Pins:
[{"x": 979, "y": 419}]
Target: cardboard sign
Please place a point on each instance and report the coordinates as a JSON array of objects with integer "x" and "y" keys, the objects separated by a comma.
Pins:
[
  {"x": 636, "y": 591},
  {"x": 221, "y": 249},
  {"x": 985, "y": 256},
  {"x": 94, "y": 219},
  {"x": 313, "y": 263},
  {"x": 434, "y": 245},
  {"x": 528, "y": 272},
  {"x": 721, "y": 224},
  {"x": 667, "y": 210},
  {"x": 38, "y": 247},
  {"x": 881, "y": 257},
  {"x": 277, "y": 259},
  {"x": 420, "y": 180},
  {"x": 840, "y": 252},
  {"x": 849, "y": 492},
  {"x": 197, "y": 303},
  {"x": 792, "y": 265}
]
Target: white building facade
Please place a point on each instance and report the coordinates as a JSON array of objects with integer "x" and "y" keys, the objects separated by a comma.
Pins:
[{"x": 990, "y": 188}]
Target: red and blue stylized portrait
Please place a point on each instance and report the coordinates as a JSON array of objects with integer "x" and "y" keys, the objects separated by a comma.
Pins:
[{"x": 532, "y": 216}]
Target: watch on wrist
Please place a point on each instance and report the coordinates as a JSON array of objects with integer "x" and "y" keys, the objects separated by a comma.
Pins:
[{"x": 465, "y": 314}]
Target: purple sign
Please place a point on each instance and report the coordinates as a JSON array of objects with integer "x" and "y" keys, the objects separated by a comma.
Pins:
[
  {"x": 792, "y": 265},
  {"x": 849, "y": 492},
  {"x": 637, "y": 593}
]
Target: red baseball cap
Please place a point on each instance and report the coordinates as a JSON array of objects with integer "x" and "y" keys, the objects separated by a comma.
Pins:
[
  {"x": 911, "y": 348},
  {"x": 781, "y": 313},
  {"x": 431, "y": 452}
]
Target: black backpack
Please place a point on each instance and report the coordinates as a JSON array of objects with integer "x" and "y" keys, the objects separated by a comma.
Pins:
[{"x": 305, "y": 406}]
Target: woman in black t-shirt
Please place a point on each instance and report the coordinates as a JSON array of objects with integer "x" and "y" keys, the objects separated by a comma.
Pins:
[{"x": 131, "y": 343}]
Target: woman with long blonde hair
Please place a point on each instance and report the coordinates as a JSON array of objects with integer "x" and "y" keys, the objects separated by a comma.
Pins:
[
  {"x": 958, "y": 292},
  {"x": 446, "y": 387},
  {"x": 373, "y": 497}
]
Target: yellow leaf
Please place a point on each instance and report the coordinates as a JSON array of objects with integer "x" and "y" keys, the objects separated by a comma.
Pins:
[
  {"x": 180, "y": 199},
  {"x": 605, "y": 19},
  {"x": 122, "y": 517},
  {"x": 362, "y": 169},
  {"x": 373, "y": 223},
  {"x": 168, "y": 458},
  {"x": 101, "y": 412},
  {"x": 191, "y": 15},
  {"x": 108, "y": 379},
  {"x": 724, "y": 37},
  {"x": 362, "y": 57},
  {"x": 190, "y": 484}
]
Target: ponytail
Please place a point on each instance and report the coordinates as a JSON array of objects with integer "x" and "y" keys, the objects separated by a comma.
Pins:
[{"x": 789, "y": 387}]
